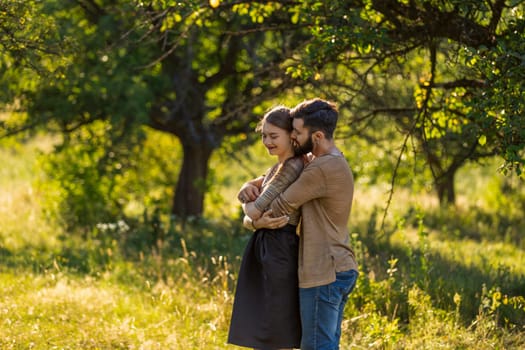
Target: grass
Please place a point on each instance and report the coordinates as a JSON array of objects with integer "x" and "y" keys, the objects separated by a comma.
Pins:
[
  {"x": 63, "y": 312},
  {"x": 424, "y": 285}
]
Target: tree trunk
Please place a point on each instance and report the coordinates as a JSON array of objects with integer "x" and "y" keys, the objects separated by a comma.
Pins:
[
  {"x": 443, "y": 179},
  {"x": 445, "y": 188},
  {"x": 188, "y": 199}
]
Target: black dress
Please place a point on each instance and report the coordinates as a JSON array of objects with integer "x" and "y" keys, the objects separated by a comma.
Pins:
[{"x": 265, "y": 311}]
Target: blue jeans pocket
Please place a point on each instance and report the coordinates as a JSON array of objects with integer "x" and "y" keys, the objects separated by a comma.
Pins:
[
  {"x": 345, "y": 281},
  {"x": 337, "y": 291}
]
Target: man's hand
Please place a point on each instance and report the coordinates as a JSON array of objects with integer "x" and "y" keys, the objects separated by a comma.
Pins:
[{"x": 266, "y": 221}]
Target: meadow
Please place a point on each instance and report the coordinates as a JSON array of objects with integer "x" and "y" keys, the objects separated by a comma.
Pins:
[{"x": 431, "y": 278}]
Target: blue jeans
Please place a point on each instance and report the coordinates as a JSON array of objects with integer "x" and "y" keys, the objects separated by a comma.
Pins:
[{"x": 322, "y": 312}]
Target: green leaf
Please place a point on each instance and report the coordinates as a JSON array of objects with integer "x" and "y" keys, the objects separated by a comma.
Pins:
[{"x": 482, "y": 140}]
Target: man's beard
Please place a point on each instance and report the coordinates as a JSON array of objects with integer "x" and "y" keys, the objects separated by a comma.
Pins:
[{"x": 305, "y": 148}]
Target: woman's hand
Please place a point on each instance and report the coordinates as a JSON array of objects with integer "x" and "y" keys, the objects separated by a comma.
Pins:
[
  {"x": 267, "y": 221},
  {"x": 248, "y": 193}
]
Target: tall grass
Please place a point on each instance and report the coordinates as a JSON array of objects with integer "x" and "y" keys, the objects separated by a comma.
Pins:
[{"x": 154, "y": 282}]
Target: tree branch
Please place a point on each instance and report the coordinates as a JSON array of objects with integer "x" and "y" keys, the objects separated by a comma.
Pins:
[
  {"x": 412, "y": 22},
  {"x": 465, "y": 83},
  {"x": 497, "y": 10}
]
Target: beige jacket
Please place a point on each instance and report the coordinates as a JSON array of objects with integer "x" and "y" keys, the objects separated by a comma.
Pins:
[{"x": 324, "y": 192}]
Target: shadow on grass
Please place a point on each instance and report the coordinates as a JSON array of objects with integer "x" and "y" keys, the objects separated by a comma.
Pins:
[
  {"x": 477, "y": 224},
  {"x": 481, "y": 289}
]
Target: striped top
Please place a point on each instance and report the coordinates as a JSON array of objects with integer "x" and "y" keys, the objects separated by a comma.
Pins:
[{"x": 276, "y": 180}]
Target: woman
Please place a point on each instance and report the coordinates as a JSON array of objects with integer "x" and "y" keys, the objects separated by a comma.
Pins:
[{"x": 265, "y": 311}]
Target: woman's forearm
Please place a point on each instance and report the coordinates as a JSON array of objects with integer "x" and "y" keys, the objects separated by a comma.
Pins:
[{"x": 251, "y": 210}]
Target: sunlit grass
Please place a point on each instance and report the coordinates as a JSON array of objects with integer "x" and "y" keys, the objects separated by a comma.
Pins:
[
  {"x": 51, "y": 311},
  {"x": 486, "y": 255},
  {"x": 61, "y": 292}
]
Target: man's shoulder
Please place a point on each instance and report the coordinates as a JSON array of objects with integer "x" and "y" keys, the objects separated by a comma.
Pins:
[
  {"x": 333, "y": 166},
  {"x": 330, "y": 160}
]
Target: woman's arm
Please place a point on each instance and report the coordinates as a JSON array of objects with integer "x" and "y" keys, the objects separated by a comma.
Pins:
[
  {"x": 247, "y": 222},
  {"x": 285, "y": 175},
  {"x": 250, "y": 190}
]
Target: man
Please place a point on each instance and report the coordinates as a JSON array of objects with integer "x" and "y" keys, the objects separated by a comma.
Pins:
[{"x": 324, "y": 193}]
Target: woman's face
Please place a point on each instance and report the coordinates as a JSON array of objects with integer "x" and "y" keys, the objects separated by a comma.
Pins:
[{"x": 276, "y": 140}]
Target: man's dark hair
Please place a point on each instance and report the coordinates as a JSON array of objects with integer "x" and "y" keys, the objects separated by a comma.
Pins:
[{"x": 317, "y": 115}]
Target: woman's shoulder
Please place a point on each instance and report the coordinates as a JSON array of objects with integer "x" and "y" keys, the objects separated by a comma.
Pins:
[{"x": 271, "y": 169}]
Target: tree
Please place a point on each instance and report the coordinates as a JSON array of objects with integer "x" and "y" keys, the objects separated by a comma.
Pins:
[
  {"x": 468, "y": 98},
  {"x": 204, "y": 71},
  {"x": 198, "y": 73},
  {"x": 222, "y": 66}
]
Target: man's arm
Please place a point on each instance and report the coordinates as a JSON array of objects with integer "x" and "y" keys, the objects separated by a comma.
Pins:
[{"x": 311, "y": 184}]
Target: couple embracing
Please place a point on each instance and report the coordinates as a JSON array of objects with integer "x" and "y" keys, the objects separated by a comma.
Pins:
[{"x": 298, "y": 267}]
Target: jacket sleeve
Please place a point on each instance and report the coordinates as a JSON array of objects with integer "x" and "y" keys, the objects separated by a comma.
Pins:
[{"x": 283, "y": 178}]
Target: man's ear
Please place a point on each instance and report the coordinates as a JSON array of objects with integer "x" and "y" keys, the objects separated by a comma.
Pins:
[{"x": 317, "y": 136}]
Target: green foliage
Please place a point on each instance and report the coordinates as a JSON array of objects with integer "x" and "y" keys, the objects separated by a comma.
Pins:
[
  {"x": 499, "y": 107},
  {"x": 187, "y": 69},
  {"x": 101, "y": 84},
  {"x": 468, "y": 96},
  {"x": 24, "y": 36},
  {"x": 96, "y": 180},
  {"x": 446, "y": 74}
]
